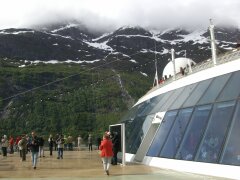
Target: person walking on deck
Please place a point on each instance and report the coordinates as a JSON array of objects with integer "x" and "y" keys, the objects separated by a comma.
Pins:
[
  {"x": 50, "y": 144},
  {"x": 22, "y": 146},
  {"x": 11, "y": 144},
  {"x": 35, "y": 149},
  {"x": 79, "y": 140},
  {"x": 90, "y": 142},
  {"x": 41, "y": 146},
  {"x": 106, "y": 152},
  {"x": 60, "y": 145},
  {"x": 4, "y": 142}
]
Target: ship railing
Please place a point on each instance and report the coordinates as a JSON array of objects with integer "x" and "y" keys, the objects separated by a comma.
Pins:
[{"x": 221, "y": 59}]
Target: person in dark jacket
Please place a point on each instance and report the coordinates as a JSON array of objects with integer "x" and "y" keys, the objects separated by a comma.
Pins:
[
  {"x": 116, "y": 147},
  {"x": 34, "y": 149},
  {"x": 50, "y": 144},
  {"x": 98, "y": 142},
  {"x": 41, "y": 145},
  {"x": 60, "y": 142},
  {"x": 22, "y": 146},
  {"x": 90, "y": 142}
]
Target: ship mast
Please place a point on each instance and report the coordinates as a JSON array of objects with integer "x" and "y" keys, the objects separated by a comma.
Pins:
[
  {"x": 156, "y": 74},
  {"x": 173, "y": 61},
  {"x": 213, "y": 44}
]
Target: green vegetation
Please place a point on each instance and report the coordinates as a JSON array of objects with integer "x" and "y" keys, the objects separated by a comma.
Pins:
[{"x": 79, "y": 101}]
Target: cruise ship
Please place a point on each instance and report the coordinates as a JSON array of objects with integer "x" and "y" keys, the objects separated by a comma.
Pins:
[{"x": 191, "y": 121}]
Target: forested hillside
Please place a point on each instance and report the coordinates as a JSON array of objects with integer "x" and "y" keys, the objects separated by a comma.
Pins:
[{"x": 65, "y": 98}]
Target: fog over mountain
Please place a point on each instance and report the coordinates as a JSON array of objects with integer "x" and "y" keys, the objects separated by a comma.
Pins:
[{"x": 108, "y": 15}]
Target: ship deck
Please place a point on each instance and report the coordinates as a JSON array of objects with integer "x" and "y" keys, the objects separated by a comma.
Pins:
[{"x": 83, "y": 165}]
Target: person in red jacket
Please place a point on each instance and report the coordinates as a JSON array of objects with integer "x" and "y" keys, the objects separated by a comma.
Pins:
[
  {"x": 106, "y": 152},
  {"x": 11, "y": 144}
]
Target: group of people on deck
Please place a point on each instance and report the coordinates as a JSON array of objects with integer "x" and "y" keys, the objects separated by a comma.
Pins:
[{"x": 109, "y": 145}]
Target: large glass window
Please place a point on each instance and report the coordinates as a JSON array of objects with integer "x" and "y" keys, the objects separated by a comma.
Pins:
[
  {"x": 142, "y": 107},
  {"x": 231, "y": 153},
  {"x": 130, "y": 115},
  {"x": 197, "y": 93},
  {"x": 163, "y": 100},
  {"x": 141, "y": 133},
  {"x": 186, "y": 93},
  {"x": 176, "y": 134},
  {"x": 215, "y": 87},
  {"x": 161, "y": 134},
  {"x": 194, "y": 133},
  {"x": 212, "y": 141},
  {"x": 232, "y": 89},
  {"x": 172, "y": 99},
  {"x": 133, "y": 127},
  {"x": 135, "y": 131},
  {"x": 151, "y": 103}
]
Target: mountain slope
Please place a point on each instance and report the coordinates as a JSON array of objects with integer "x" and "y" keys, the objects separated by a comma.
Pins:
[
  {"x": 128, "y": 46},
  {"x": 65, "y": 99}
]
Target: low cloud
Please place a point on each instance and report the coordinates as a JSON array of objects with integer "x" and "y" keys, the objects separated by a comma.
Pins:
[{"x": 106, "y": 15}]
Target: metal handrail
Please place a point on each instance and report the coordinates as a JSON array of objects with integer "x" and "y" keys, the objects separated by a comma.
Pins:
[{"x": 226, "y": 57}]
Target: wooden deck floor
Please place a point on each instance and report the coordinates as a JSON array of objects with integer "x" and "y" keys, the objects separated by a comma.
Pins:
[
  {"x": 82, "y": 165},
  {"x": 73, "y": 164}
]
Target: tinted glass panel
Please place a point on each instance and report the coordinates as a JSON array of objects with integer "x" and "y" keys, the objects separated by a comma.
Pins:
[
  {"x": 215, "y": 133},
  {"x": 171, "y": 99},
  {"x": 162, "y": 133},
  {"x": 141, "y": 132},
  {"x": 231, "y": 153},
  {"x": 161, "y": 102},
  {"x": 194, "y": 133},
  {"x": 151, "y": 103},
  {"x": 186, "y": 93},
  {"x": 215, "y": 87},
  {"x": 132, "y": 128},
  {"x": 142, "y": 107},
  {"x": 197, "y": 93},
  {"x": 176, "y": 134},
  {"x": 232, "y": 89},
  {"x": 131, "y": 114}
]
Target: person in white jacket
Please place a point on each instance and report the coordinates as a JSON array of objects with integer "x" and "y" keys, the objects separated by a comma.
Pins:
[
  {"x": 60, "y": 145},
  {"x": 4, "y": 142}
]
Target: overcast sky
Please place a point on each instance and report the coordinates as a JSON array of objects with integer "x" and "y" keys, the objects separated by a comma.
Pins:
[{"x": 111, "y": 14}]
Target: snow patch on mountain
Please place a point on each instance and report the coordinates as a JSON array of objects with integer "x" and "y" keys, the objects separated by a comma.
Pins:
[
  {"x": 102, "y": 45},
  {"x": 164, "y": 51},
  {"x": 59, "y": 62},
  {"x": 103, "y": 36},
  {"x": 130, "y": 36},
  {"x": 144, "y": 74},
  {"x": 65, "y": 27},
  {"x": 196, "y": 36},
  {"x": 16, "y": 32},
  {"x": 132, "y": 60},
  {"x": 156, "y": 38}
]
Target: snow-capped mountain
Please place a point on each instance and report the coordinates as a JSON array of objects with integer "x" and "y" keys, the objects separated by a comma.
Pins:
[{"x": 129, "y": 47}]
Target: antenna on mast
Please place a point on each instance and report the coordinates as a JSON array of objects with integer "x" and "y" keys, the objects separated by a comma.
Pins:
[
  {"x": 173, "y": 61},
  {"x": 156, "y": 73}
]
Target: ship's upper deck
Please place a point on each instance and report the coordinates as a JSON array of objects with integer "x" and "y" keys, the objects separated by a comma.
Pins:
[{"x": 228, "y": 62}]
